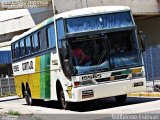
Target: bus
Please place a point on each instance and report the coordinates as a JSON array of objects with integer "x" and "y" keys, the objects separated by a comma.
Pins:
[{"x": 80, "y": 55}]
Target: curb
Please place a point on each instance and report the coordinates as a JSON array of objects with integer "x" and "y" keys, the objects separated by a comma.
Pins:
[
  {"x": 8, "y": 98},
  {"x": 145, "y": 94}
]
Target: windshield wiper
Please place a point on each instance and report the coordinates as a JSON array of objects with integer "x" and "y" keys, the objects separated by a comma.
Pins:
[{"x": 103, "y": 53}]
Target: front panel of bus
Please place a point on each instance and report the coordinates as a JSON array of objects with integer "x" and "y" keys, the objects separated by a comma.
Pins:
[{"x": 114, "y": 64}]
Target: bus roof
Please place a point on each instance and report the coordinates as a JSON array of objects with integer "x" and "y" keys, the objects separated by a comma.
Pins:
[
  {"x": 74, "y": 13},
  {"x": 91, "y": 10}
]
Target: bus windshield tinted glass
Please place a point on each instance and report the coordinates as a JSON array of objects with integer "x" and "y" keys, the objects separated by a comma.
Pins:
[
  {"x": 99, "y": 22},
  {"x": 104, "y": 52}
]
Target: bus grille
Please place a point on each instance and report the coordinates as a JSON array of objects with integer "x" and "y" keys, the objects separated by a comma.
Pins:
[
  {"x": 121, "y": 77},
  {"x": 103, "y": 80},
  {"x": 109, "y": 79}
]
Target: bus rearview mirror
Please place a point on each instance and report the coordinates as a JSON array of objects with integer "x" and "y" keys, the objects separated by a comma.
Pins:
[{"x": 142, "y": 40}]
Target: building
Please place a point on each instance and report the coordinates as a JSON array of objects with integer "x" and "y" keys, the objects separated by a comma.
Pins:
[{"x": 14, "y": 22}]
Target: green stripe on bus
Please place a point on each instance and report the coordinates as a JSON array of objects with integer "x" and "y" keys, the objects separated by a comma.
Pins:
[
  {"x": 50, "y": 20},
  {"x": 45, "y": 76},
  {"x": 116, "y": 73},
  {"x": 121, "y": 72},
  {"x": 126, "y": 71}
]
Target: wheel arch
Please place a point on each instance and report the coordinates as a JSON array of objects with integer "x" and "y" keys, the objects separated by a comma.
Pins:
[
  {"x": 58, "y": 87},
  {"x": 23, "y": 89}
]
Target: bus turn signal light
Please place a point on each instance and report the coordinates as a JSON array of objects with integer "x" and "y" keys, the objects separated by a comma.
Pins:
[{"x": 76, "y": 84}]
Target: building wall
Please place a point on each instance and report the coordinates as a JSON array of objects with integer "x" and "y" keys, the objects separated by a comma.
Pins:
[
  {"x": 151, "y": 28},
  {"x": 15, "y": 22},
  {"x": 137, "y": 6}
]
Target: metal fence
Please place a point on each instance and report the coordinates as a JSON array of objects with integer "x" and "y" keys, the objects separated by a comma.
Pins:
[
  {"x": 7, "y": 86},
  {"x": 152, "y": 65}
]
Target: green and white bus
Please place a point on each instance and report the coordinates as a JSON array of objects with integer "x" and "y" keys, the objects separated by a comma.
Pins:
[{"x": 45, "y": 67}]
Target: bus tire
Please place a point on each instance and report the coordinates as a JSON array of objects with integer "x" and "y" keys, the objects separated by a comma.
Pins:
[
  {"x": 121, "y": 98},
  {"x": 23, "y": 90},
  {"x": 28, "y": 97},
  {"x": 63, "y": 104}
]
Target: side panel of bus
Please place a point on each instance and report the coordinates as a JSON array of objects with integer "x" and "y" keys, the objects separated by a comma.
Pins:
[{"x": 38, "y": 78}]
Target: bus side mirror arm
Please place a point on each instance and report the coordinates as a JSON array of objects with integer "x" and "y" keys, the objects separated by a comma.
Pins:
[
  {"x": 67, "y": 68},
  {"x": 142, "y": 40}
]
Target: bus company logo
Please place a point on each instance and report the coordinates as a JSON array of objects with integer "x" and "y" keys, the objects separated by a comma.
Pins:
[
  {"x": 27, "y": 65},
  {"x": 90, "y": 77}
]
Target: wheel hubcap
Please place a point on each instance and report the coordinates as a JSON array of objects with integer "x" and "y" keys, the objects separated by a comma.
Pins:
[
  {"x": 63, "y": 99},
  {"x": 28, "y": 98}
]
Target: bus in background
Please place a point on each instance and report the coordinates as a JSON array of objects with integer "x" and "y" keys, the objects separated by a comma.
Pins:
[{"x": 79, "y": 55}]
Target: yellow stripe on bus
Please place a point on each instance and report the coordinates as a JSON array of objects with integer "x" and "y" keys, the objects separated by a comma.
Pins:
[
  {"x": 36, "y": 79},
  {"x": 32, "y": 79}
]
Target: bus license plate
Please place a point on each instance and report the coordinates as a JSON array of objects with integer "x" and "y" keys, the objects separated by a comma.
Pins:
[
  {"x": 87, "y": 94},
  {"x": 138, "y": 84}
]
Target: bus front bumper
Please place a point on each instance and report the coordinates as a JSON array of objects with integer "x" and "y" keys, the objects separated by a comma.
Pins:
[{"x": 110, "y": 89}]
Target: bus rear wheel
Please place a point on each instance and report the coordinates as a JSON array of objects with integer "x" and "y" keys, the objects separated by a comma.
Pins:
[
  {"x": 28, "y": 97},
  {"x": 121, "y": 98}
]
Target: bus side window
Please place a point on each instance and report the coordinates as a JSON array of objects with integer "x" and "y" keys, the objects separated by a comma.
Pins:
[
  {"x": 22, "y": 49},
  {"x": 35, "y": 42},
  {"x": 51, "y": 37},
  {"x": 28, "y": 45},
  {"x": 42, "y": 37},
  {"x": 17, "y": 50},
  {"x": 13, "y": 51}
]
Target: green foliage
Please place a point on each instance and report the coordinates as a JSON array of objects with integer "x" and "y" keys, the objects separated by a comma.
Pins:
[{"x": 14, "y": 113}]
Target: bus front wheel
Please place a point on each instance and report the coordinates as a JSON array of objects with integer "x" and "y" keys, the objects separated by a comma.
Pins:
[
  {"x": 121, "y": 98},
  {"x": 64, "y": 104}
]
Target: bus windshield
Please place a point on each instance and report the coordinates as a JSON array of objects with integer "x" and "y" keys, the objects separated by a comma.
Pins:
[
  {"x": 99, "y": 22},
  {"x": 104, "y": 52}
]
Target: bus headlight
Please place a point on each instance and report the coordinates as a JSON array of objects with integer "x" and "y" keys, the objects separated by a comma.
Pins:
[
  {"x": 137, "y": 75},
  {"x": 87, "y": 82},
  {"x": 84, "y": 83}
]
